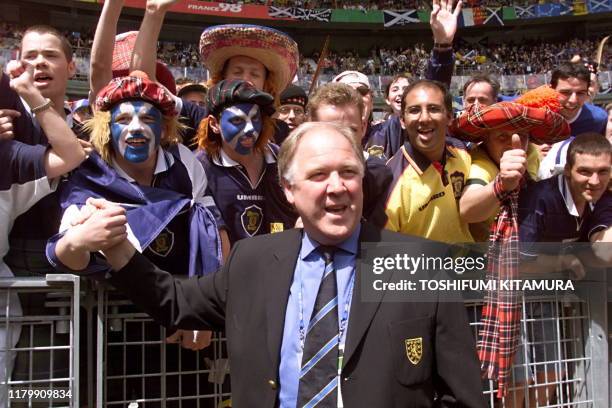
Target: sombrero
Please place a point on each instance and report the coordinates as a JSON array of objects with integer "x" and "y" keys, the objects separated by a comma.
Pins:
[
  {"x": 122, "y": 55},
  {"x": 536, "y": 113},
  {"x": 273, "y": 48}
]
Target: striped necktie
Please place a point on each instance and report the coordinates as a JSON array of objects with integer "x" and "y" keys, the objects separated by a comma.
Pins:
[{"x": 318, "y": 376}]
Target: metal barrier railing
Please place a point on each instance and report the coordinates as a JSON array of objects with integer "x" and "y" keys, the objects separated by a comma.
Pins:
[
  {"x": 562, "y": 362},
  {"x": 137, "y": 366},
  {"x": 39, "y": 327}
]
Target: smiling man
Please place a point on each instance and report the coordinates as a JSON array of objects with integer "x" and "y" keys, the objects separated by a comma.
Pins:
[
  {"x": 430, "y": 170},
  {"x": 572, "y": 82},
  {"x": 240, "y": 162},
  {"x": 558, "y": 209},
  {"x": 270, "y": 294}
]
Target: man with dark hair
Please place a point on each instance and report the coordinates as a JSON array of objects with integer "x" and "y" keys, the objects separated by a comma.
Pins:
[
  {"x": 49, "y": 54},
  {"x": 30, "y": 173},
  {"x": 482, "y": 89},
  {"x": 388, "y": 136},
  {"x": 572, "y": 82},
  {"x": 394, "y": 91},
  {"x": 429, "y": 170},
  {"x": 559, "y": 209}
]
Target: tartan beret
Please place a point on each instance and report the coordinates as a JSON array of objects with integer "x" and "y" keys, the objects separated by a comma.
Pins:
[
  {"x": 535, "y": 114},
  {"x": 136, "y": 86},
  {"x": 229, "y": 92},
  {"x": 122, "y": 55},
  {"x": 294, "y": 95}
]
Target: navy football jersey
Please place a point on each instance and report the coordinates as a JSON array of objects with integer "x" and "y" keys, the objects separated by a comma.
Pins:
[
  {"x": 248, "y": 209},
  {"x": 547, "y": 213}
]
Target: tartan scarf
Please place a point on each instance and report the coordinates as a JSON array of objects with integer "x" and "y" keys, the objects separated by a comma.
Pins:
[{"x": 498, "y": 339}]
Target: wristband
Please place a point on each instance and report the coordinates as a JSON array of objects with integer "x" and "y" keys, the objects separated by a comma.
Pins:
[
  {"x": 499, "y": 191},
  {"x": 41, "y": 108},
  {"x": 442, "y": 46}
]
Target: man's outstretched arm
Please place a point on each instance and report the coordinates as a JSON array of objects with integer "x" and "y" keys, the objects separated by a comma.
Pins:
[{"x": 193, "y": 304}]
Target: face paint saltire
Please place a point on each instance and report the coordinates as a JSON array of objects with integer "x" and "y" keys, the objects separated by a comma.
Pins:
[
  {"x": 241, "y": 126},
  {"x": 136, "y": 128}
]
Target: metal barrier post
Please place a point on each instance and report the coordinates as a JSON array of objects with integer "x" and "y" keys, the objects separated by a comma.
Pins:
[{"x": 596, "y": 333}]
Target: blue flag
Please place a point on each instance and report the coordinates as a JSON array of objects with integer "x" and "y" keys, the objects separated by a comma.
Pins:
[{"x": 149, "y": 209}]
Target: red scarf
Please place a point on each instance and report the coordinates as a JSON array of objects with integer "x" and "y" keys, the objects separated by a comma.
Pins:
[{"x": 498, "y": 339}]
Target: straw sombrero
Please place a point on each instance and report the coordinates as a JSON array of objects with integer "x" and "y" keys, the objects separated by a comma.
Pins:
[
  {"x": 535, "y": 113},
  {"x": 274, "y": 49}
]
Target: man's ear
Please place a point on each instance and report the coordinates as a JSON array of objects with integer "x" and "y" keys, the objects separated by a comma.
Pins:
[
  {"x": 567, "y": 171},
  {"x": 402, "y": 122},
  {"x": 71, "y": 69},
  {"x": 214, "y": 124},
  {"x": 287, "y": 189}
]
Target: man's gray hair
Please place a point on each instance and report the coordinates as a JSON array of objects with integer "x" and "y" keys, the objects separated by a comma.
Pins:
[{"x": 286, "y": 155}]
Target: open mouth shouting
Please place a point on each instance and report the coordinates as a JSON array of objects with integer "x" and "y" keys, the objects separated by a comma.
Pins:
[
  {"x": 137, "y": 141},
  {"x": 336, "y": 209},
  {"x": 42, "y": 79}
]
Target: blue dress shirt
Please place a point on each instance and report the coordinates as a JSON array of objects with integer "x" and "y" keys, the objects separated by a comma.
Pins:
[{"x": 307, "y": 278}]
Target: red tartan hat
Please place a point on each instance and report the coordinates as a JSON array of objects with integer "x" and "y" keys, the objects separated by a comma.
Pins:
[
  {"x": 136, "y": 86},
  {"x": 122, "y": 55},
  {"x": 535, "y": 114}
]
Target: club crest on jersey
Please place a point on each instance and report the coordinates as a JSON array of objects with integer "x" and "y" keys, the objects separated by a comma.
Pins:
[
  {"x": 251, "y": 219},
  {"x": 457, "y": 180},
  {"x": 162, "y": 245},
  {"x": 376, "y": 151},
  {"x": 414, "y": 349}
]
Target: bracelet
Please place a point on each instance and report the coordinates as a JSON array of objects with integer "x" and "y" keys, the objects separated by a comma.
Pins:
[
  {"x": 442, "y": 47},
  {"x": 499, "y": 191},
  {"x": 41, "y": 108}
]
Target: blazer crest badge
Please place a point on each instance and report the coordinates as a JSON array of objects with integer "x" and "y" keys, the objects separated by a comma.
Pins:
[{"x": 414, "y": 349}]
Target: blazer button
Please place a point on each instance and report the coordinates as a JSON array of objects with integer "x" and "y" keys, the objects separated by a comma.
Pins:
[{"x": 272, "y": 384}]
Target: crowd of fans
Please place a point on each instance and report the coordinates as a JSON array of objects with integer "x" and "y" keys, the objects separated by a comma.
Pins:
[
  {"x": 530, "y": 57},
  {"x": 526, "y": 57}
]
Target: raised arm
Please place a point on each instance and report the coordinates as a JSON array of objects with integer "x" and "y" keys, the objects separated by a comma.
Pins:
[
  {"x": 443, "y": 23},
  {"x": 100, "y": 69},
  {"x": 66, "y": 151},
  {"x": 144, "y": 57}
]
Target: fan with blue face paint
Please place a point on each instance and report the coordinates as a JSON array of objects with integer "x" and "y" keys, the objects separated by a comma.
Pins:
[
  {"x": 136, "y": 130},
  {"x": 241, "y": 125}
]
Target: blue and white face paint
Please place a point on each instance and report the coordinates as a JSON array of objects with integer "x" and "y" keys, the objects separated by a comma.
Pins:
[
  {"x": 241, "y": 126},
  {"x": 136, "y": 129}
]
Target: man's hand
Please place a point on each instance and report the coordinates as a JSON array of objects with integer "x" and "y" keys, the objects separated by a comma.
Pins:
[
  {"x": 571, "y": 262},
  {"x": 443, "y": 20},
  {"x": 22, "y": 78},
  {"x": 6, "y": 123},
  {"x": 88, "y": 147},
  {"x": 104, "y": 229},
  {"x": 513, "y": 165},
  {"x": 191, "y": 339}
]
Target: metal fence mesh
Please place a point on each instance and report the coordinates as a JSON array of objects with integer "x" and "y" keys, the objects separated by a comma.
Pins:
[{"x": 125, "y": 360}]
